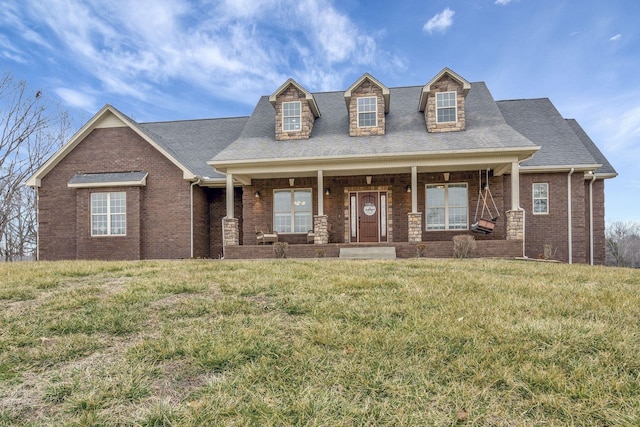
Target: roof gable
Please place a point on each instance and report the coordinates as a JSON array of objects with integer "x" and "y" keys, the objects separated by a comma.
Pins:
[
  {"x": 308, "y": 96},
  {"x": 374, "y": 81},
  {"x": 426, "y": 89},
  {"x": 108, "y": 116}
]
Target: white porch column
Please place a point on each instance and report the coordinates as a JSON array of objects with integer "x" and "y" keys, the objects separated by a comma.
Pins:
[
  {"x": 230, "y": 191},
  {"x": 515, "y": 186},
  {"x": 320, "y": 194},
  {"x": 414, "y": 189}
]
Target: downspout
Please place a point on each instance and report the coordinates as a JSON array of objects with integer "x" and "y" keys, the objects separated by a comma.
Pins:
[
  {"x": 197, "y": 181},
  {"x": 593, "y": 178},
  {"x": 37, "y": 224},
  {"x": 569, "y": 214}
]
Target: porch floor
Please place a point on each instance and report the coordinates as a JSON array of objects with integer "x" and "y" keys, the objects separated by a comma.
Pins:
[{"x": 444, "y": 249}]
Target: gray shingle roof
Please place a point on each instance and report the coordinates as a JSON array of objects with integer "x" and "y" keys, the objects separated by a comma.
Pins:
[
  {"x": 538, "y": 120},
  {"x": 405, "y": 130},
  {"x": 194, "y": 142},
  {"x": 593, "y": 149}
]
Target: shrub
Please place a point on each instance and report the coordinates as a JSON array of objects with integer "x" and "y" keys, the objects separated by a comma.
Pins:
[
  {"x": 280, "y": 249},
  {"x": 421, "y": 250},
  {"x": 464, "y": 246}
]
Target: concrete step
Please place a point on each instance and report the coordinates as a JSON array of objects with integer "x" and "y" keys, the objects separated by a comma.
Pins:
[{"x": 382, "y": 252}]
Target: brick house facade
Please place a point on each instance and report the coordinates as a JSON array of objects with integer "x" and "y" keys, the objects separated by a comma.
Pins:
[{"x": 368, "y": 166}]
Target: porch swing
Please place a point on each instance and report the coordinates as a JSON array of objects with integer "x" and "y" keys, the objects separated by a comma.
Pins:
[{"x": 487, "y": 221}]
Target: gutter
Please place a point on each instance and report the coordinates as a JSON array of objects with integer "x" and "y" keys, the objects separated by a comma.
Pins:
[
  {"x": 197, "y": 181},
  {"x": 593, "y": 178},
  {"x": 569, "y": 215}
]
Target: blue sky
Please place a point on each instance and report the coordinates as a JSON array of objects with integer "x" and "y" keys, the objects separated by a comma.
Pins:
[{"x": 161, "y": 60}]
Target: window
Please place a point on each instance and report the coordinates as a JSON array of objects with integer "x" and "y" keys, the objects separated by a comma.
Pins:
[
  {"x": 446, "y": 107},
  {"x": 291, "y": 116},
  {"x": 540, "y": 198},
  {"x": 109, "y": 214},
  {"x": 367, "y": 112},
  {"x": 292, "y": 211},
  {"x": 447, "y": 207}
]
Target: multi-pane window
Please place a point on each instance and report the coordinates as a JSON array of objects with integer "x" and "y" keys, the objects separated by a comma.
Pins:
[
  {"x": 109, "y": 214},
  {"x": 447, "y": 207},
  {"x": 292, "y": 211},
  {"x": 291, "y": 112},
  {"x": 446, "y": 107},
  {"x": 367, "y": 112},
  {"x": 540, "y": 198}
]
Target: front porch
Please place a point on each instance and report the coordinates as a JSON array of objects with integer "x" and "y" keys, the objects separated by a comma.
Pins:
[{"x": 439, "y": 249}]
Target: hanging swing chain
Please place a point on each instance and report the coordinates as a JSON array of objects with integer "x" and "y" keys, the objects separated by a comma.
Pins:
[{"x": 483, "y": 197}]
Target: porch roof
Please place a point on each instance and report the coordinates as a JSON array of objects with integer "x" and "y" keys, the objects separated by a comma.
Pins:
[{"x": 406, "y": 139}]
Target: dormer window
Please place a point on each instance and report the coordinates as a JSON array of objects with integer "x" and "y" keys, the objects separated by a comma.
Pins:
[
  {"x": 291, "y": 116},
  {"x": 446, "y": 107},
  {"x": 367, "y": 112}
]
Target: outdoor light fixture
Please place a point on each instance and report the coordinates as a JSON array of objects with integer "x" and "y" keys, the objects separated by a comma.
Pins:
[
  {"x": 257, "y": 194},
  {"x": 327, "y": 192},
  {"x": 408, "y": 189}
]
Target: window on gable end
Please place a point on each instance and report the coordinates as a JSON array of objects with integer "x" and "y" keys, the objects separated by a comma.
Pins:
[
  {"x": 109, "y": 214},
  {"x": 291, "y": 116},
  {"x": 446, "y": 107},
  {"x": 367, "y": 112}
]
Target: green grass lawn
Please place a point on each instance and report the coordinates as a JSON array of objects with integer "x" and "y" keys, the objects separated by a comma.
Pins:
[{"x": 319, "y": 343}]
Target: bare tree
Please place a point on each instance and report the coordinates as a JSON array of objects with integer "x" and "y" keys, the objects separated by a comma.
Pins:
[
  {"x": 623, "y": 244},
  {"x": 31, "y": 129}
]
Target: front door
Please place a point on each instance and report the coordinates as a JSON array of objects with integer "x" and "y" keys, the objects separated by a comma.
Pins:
[
  {"x": 368, "y": 211},
  {"x": 368, "y": 214}
]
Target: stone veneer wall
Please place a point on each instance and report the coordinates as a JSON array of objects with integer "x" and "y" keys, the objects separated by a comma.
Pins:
[
  {"x": 445, "y": 84},
  {"x": 231, "y": 231},
  {"x": 366, "y": 89},
  {"x": 321, "y": 229},
  {"x": 515, "y": 225},
  {"x": 306, "y": 119},
  {"x": 415, "y": 227}
]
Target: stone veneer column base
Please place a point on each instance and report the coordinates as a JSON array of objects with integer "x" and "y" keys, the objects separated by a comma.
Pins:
[
  {"x": 515, "y": 225},
  {"x": 415, "y": 227},
  {"x": 320, "y": 229},
  {"x": 230, "y": 230}
]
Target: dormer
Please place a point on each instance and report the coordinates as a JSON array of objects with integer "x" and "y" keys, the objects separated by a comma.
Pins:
[
  {"x": 367, "y": 102},
  {"x": 296, "y": 111},
  {"x": 442, "y": 101}
]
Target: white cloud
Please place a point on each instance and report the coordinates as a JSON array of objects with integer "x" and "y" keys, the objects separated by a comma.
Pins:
[
  {"x": 76, "y": 99},
  {"x": 616, "y": 38},
  {"x": 233, "y": 47},
  {"x": 503, "y": 2},
  {"x": 440, "y": 22}
]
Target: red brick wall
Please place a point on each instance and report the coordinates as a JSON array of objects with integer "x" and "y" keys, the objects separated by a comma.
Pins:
[
  {"x": 598, "y": 221},
  {"x": 552, "y": 228},
  {"x": 164, "y": 217},
  {"x": 259, "y": 212},
  {"x": 108, "y": 247}
]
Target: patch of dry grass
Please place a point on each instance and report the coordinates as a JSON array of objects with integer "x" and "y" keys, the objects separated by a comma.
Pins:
[{"x": 321, "y": 342}]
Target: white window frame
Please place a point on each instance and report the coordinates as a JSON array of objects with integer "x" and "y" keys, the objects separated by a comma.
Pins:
[
  {"x": 112, "y": 214},
  {"x": 440, "y": 105},
  {"x": 545, "y": 197},
  {"x": 295, "y": 125},
  {"x": 291, "y": 212},
  {"x": 362, "y": 110},
  {"x": 447, "y": 206}
]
